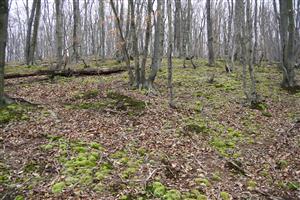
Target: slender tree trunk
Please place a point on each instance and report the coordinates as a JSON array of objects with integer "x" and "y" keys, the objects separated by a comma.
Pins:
[
  {"x": 170, "y": 49},
  {"x": 102, "y": 26},
  {"x": 147, "y": 40},
  {"x": 255, "y": 33},
  {"x": 162, "y": 32},
  {"x": 28, "y": 35},
  {"x": 156, "y": 54},
  {"x": 211, "y": 56},
  {"x": 59, "y": 33},
  {"x": 177, "y": 28},
  {"x": 253, "y": 97},
  {"x": 33, "y": 44},
  {"x": 3, "y": 40},
  {"x": 76, "y": 37},
  {"x": 241, "y": 36}
]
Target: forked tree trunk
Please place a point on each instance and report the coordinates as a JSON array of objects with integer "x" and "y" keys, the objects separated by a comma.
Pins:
[{"x": 29, "y": 31}]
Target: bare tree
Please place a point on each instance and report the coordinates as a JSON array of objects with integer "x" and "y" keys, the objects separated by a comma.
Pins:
[{"x": 3, "y": 37}]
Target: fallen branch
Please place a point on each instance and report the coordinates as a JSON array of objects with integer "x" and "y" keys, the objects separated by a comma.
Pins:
[{"x": 69, "y": 72}]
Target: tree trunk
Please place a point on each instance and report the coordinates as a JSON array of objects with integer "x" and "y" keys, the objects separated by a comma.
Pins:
[
  {"x": 287, "y": 32},
  {"x": 177, "y": 29},
  {"x": 69, "y": 72},
  {"x": 29, "y": 30},
  {"x": 35, "y": 32},
  {"x": 170, "y": 49},
  {"x": 135, "y": 45},
  {"x": 76, "y": 37},
  {"x": 102, "y": 26},
  {"x": 211, "y": 57},
  {"x": 253, "y": 97},
  {"x": 156, "y": 54},
  {"x": 162, "y": 32},
  {"x": 255, "y": 47},
  {"x": 59, "y": 34},
  {"x": 123, "y": 44},
  {"x": 3, "y": 38},
  {"x": 147, "y": 41}
]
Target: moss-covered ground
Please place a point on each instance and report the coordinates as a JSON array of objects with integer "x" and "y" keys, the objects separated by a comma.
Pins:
[{"x": 93, "y": 138}]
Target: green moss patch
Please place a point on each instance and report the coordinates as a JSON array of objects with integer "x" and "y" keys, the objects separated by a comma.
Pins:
[
  {"x": 14, "y": 112},
  {"x": 114, "y": 100},
  {"x": 90, "y": 94},
  {"x": 124, "y": 102}
]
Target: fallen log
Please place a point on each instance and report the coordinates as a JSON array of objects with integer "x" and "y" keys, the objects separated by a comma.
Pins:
[{"x": 69, "y": 72}]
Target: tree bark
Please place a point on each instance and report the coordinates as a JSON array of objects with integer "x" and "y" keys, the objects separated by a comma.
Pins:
[
  {"x": 147, "y": 41},
  {"x": 102, "y": 26},
  {"x": 135, "y": 45},
  {"x": 33, "y": 41},
  {"x": 69, "y": 72},
  {"x": 59, "y": 34},
  {"x": 3, "y": 40},
  {"x": 156, "y": 54},
  {"x": 170, "y": 50},
  {"x": 76, "y": 37},
  {"x": 29, "y": 30},
  {"x": 211, "y": 56},
  {"x": 287, "y": 33},
  {"x": 177, "y": 29}
]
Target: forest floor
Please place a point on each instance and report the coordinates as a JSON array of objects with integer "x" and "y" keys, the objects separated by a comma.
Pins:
[{"x": 93, "y": 138}]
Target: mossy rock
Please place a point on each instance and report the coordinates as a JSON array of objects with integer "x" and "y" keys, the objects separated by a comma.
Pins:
[
  {"x": 122, "y": 102},
  {"x": 195, "y": 128}
]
